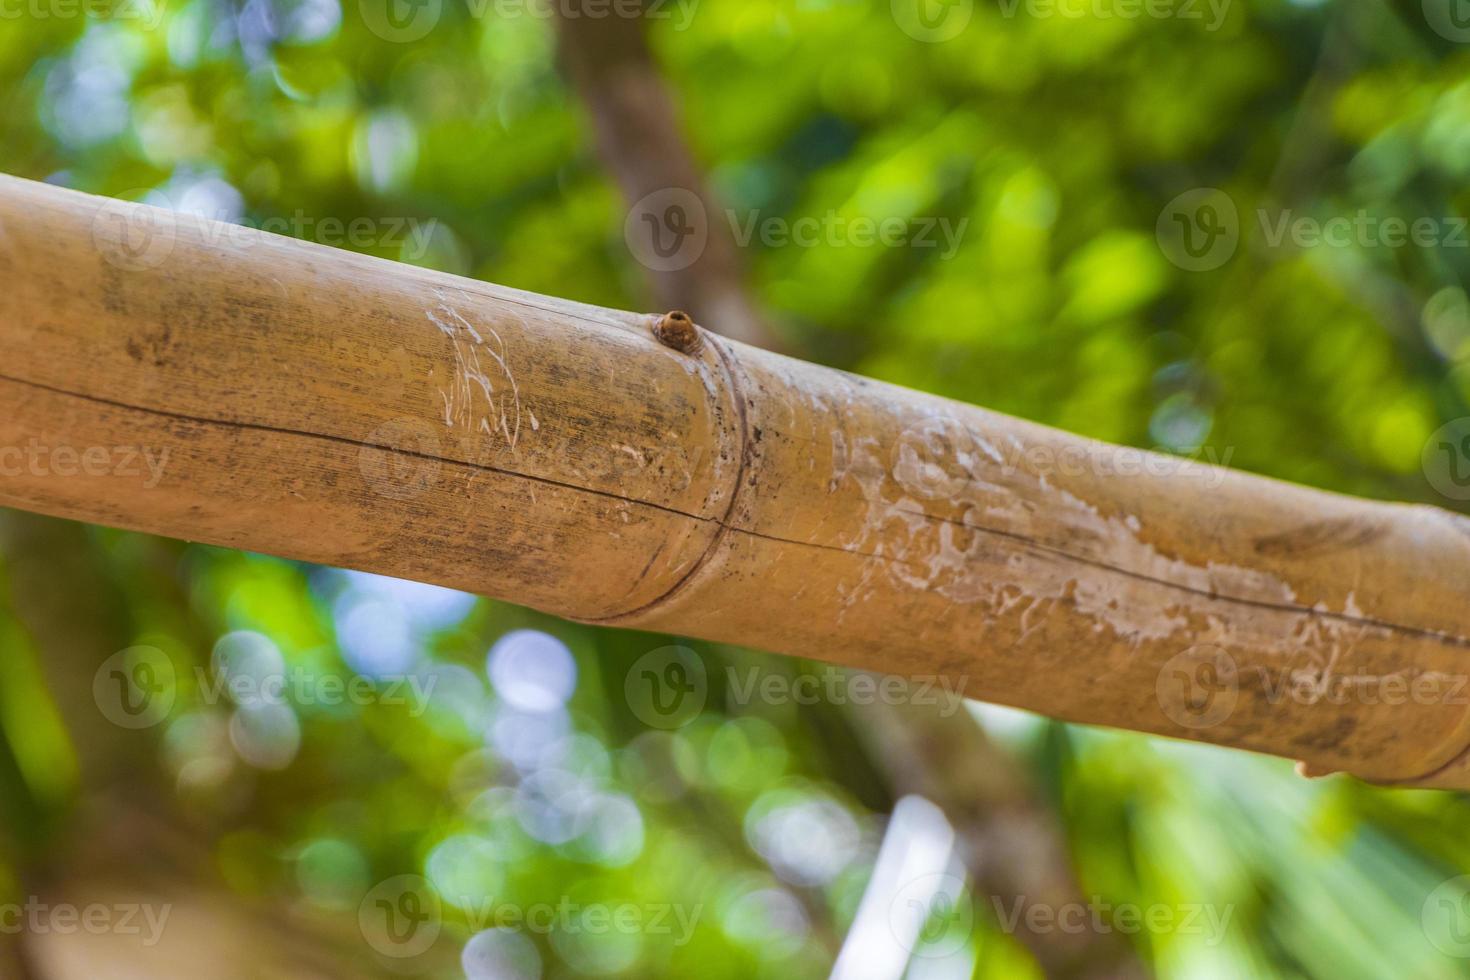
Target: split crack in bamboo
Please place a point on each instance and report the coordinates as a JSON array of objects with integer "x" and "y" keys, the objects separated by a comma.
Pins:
[{"x": 725, "y": 526}]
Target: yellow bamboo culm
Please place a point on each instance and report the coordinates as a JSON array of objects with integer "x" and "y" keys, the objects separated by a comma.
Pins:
[{"x": 169, "y": 374}]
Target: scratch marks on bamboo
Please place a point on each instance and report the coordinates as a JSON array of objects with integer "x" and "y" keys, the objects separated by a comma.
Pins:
[{"x": 483, "y": 395}]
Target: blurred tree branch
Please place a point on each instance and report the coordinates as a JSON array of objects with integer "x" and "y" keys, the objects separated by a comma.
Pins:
[
  {"x": 1008, "y": 838},
  {"x": 635, "y": 122}
]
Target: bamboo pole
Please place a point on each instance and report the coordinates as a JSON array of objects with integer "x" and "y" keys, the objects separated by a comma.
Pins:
[
  {"x": 1005, "y": 836},
  {"x": 173, "y": 375}
]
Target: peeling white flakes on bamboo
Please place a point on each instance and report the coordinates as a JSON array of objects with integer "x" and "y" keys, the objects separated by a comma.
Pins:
[{"x": 938, "y": 458}]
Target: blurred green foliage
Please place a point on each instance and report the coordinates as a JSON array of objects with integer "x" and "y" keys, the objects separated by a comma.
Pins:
[{"x": 1054, "y": 136}]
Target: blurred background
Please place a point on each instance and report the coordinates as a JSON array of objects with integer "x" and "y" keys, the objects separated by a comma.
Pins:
[{"x": 1229, "y": 229}]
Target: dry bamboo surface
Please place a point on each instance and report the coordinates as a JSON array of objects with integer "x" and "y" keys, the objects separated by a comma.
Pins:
[{"x": 168, "y": 374}]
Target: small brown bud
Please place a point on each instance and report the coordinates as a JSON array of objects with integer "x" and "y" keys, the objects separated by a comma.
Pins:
[{"x": 677, "y": 330}]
